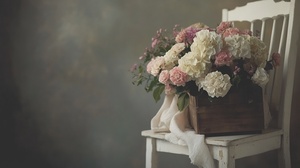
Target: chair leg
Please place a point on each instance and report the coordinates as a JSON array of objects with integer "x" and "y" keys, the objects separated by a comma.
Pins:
[
  {"x": 284, "y": 153},
  {"x": 226, "y": 158},
  {"x": 230, "y": 163},
  {"x": 151, "y": 153}
]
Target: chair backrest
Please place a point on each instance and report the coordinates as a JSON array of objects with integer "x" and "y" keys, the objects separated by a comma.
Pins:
[{"x": 276, "y": 25}]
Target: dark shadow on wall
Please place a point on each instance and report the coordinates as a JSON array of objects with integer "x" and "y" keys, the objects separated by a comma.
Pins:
[{"x": 9, "y": 99}]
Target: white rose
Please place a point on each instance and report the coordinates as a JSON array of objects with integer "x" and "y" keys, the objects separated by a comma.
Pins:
[
  {"x": 216, "y": 84},
  {"x": 260, "y": 77}
]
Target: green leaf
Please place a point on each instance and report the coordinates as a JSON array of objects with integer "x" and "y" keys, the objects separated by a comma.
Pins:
[
  {"x": 183, "y": 100},
  {"x": 152, "y": 84},
  {"x": 157, "y": 92},
  {"x": 141, "y": 69}
]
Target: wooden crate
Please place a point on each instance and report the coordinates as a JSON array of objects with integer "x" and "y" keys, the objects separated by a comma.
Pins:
[{"x": 240, "y": 111}]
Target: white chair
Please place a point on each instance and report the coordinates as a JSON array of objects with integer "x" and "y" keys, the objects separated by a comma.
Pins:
[{"x": 283, "y": 35}]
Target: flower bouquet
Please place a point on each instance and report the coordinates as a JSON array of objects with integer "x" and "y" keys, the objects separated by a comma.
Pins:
[{"x": 200, "y": 64}]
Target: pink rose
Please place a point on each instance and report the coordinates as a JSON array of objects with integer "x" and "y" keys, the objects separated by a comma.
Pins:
[
  {"x": 223, "y": 58},
  {"x": 223, "y": 26},
  {"x": 231, "y": 31},
  {"x": 178, "y": 77},
  {"x": 164, "y": 77}
]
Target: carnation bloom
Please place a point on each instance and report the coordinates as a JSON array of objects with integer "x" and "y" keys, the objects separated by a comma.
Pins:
[
  {"x": 178, "y": 77},
  {"x": 223, "y": 26},
  {"x": 231, "y": 31},
  {"x": 223, "y": 58},
  {"x": 187, "y": 35},
  {"x": 216, "y": 84}
]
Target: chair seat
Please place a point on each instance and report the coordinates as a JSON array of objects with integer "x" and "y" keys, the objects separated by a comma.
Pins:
[
  {"x": 243, "y": 145},
  {"x": 225, "y": 140}
]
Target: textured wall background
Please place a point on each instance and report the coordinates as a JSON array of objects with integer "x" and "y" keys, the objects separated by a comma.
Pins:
[{"x": 66, "y": 95}]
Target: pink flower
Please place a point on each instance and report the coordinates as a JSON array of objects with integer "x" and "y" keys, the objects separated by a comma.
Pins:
[
  {"x": 187, "y": 35},
  {"x": 180, "y": 37},
  {"x": 133, "y": 67},
  {"x": 178, "y": 77},
  {"x": 164, "y": 77},
  {"x": 276, "y": 59},
  {"x": 223, "y": 26},
  {"x": 231, "y": 31},
  {"x": 223, "y": 58},
  {"x": 154, "y": 42}
]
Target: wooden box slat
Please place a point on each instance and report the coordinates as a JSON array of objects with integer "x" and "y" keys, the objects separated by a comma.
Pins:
[{"x": 237, "y": 112}]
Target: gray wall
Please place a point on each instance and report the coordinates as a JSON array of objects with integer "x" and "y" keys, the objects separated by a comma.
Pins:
[{"x": 66, "y": 95}]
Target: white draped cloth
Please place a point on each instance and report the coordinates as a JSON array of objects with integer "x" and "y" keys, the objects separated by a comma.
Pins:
[{"x": 169, "y": 119}]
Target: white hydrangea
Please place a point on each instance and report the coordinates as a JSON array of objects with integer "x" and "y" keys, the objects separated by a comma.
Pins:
[
  {"x": 192, "y": 65},
  {"x": 260, "y": 77},
  {"x": 259, "y": 52},
  {"x": 207, "y": 44},
  {"x": 216, "y": 84},
  {"x": 238, "y": 46},
  {"x": 171, "y": 57}
]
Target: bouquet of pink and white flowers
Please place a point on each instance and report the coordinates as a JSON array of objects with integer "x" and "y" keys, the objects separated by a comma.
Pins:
[{"x": 199, "y": 59}]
